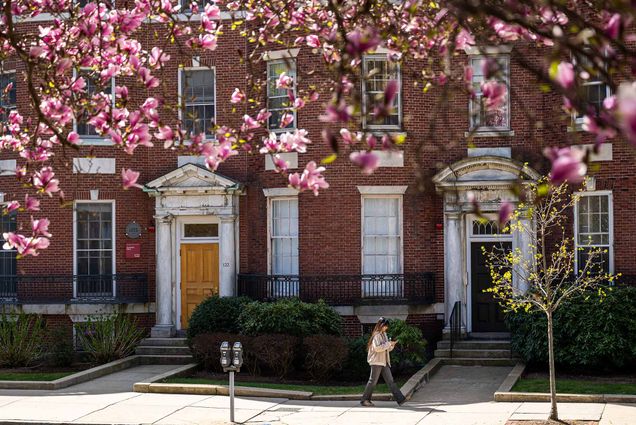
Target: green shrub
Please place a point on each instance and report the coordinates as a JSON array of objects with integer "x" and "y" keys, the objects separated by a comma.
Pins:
[
  {"x": 216, "y": 314},
  {"x": 110, "y": 338},
  {"x": 276, "y": 352},
  {"x": 21, "y": 338},
  {"x": 290, "y": 317},
  {"x": 61, "y": 350},
  {"x": 588, "y": 332},
  {"x": 355, "y": 368},
  {"x": 410, "y": 351},
  {"x": 324, "y": 355}
]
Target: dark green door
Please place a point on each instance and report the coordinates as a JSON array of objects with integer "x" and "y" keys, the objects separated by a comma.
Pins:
[{"x": 486, "y": 313}]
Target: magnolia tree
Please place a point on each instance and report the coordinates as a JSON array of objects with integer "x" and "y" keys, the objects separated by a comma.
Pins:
[
  {"x": 554, "y": 271},
  {"x": 70, "y": 60}
]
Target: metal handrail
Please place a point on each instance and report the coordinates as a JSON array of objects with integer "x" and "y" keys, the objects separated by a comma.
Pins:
[{"x": 455, "y": 325}]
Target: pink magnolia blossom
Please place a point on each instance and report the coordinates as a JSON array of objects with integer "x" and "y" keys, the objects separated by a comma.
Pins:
[
  {"x": 360, "y": 41},
  {"x": 350, "y": 138},
  {"x": 310, "y": 179},
  {"x": 505, "y": 213},
  {"x": 367, "y": 161},
  {"x": 495, "y": 94},
  {"x": 249, "y": 123},
  {"x": 284, "y": 81},
  {"x": 340, "y": 112},
  {"x": 129, "y": 178},
  {"x": 40, "y": 227},
  {"x": 313, "y": 41},
  {"x": 626, "y": 111},
  {"x": 567, "y": 165},
  {"x": 31, "y": 203},
  {"x": 565, "y": 75},
  {"x": 43, "y": 180},
  {"x": 280, "y": 164},
  {"x": 286, "y": 120},
  {"x": 237, "y": 96},
  {"x": 12, "y": 206},
  {"x": 263, "y": 116},
  {"x": 612, "y": 28}
]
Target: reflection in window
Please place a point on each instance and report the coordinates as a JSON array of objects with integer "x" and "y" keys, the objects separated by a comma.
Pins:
[
  {"x": 482, "y": 118},
  {"x": 278, "y": 102},
  {"x": 198, "y": 97}
]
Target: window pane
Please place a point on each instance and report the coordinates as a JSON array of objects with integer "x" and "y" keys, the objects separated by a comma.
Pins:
[
  {"x": 278, "y": 102},
  {"x": 378, "y": 71},
  {"x": 201, "y": 230},
  {"x": 480, "y": 116},
  {"x": 94, "y": 243},
  {"x": 381, "y": 230},
  {"x": 198, "y": 93},
  {"x": 284, "y": 234}
]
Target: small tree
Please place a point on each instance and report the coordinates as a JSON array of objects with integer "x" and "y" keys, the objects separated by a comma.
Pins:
[{"x": 546, "y": 272}]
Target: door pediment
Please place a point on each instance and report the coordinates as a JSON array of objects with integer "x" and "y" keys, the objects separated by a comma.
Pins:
[{"x": 193, "y": 178}]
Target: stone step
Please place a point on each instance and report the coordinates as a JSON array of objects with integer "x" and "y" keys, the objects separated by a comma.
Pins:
[
  {"x": 467, "y": 353},
  {"x": 162, "y": 351},
  {"x": 475, "y": 345},
  {"x": 181, "y": 342},
  {"x": 489, "y": 335},
  {"x": 168, "y": 360},
  {"x": 464, "y": 361}
]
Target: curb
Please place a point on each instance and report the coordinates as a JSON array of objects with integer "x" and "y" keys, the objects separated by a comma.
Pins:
[
  {"x": 154, "y": 386},
  {"x": 511, "y": 379},
  {"x": 76, "y": 378}
]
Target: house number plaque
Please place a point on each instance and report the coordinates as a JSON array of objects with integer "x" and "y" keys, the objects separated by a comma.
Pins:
[{"x": 133, "y": 230}]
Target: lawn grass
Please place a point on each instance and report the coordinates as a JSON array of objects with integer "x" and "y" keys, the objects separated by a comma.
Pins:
[
  {"x": 33, "y": 376},
  {"x": 572, "y": 386},
  {"x": 316, "y": 389}
]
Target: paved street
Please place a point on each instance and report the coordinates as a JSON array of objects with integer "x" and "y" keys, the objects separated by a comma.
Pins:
[{"x": 456, "y": 395}]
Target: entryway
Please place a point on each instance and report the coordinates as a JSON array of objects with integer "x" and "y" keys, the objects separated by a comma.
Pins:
[
  {"x": 199, "y": 276},
  {"x": 487, "y": 314}
]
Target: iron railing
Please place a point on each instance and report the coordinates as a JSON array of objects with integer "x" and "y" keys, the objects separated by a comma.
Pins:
[
  {"x": 67, "y": 289},
  {"x": 455, "y": 325},
  {"x": 340, "y": 289}
]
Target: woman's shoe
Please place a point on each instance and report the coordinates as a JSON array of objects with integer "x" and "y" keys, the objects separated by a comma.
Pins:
[
  {"x": 366, "y": 403},
  {"x": 401, "y": 402}
]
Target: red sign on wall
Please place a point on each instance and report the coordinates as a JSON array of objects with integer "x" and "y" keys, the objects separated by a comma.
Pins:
[{"x": 133, "y": 250}]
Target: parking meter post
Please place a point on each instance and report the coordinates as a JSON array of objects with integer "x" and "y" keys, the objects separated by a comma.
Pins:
[{"x": 232, "y": 396}]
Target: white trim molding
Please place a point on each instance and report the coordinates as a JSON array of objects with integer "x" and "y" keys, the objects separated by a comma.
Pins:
[
  {"x": 605, "y": 151},
  {"x": 7, "y": 167},
  {"x": 382, "y": 190},
  {"x": 610, "y": 214},
  {"x": 488, "y": 50},
  {"x": 280, "y": 191},
  {"x": 280, "y": 54},
  {"x": 94, "y": 166},
  {"x": 290, "y": 157}
]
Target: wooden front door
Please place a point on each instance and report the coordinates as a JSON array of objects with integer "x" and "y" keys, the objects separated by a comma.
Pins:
[
  {"x": 199, "y": 276},
  {"x": 487, "y": 315}
]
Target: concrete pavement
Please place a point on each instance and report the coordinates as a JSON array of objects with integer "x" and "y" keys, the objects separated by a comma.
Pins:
[{"x": 456, "y": 395}]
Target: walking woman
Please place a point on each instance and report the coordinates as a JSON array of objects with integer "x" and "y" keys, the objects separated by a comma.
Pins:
[{"x": 378, "y": 357}]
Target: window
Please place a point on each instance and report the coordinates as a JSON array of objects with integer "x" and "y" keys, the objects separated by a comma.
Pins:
[
  {"x": 278, "y": 102},
  {"x": 284, "y": 247},
  {"x": 8, "y": 101},
  {"x": 377, "y": 72},
  {"x": 199, "y": 100},
  {"x": 594, "y": 230},
  {"x": 489, "y": 119},
  {"x": 7, "y": 259},
  {"x": 381, "y": 236},
  {"x": 594, "y": 89},
  {"x": 200, "y": 230},
  {"x": 82, "y": 127},
  {"x": 94, "y": 250}
]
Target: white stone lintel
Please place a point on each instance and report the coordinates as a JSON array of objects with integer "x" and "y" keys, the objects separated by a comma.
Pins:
[
  {"x": 280, "y": 191},
  {"x": 93, "y": 165},
  {"x": 382, "y": 190},
  {"x": 290, "y": 157},
  {"x": 280, "y": 54}
]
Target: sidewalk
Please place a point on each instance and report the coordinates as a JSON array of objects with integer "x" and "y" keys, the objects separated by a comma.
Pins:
[{"x": 455, "y": 396}]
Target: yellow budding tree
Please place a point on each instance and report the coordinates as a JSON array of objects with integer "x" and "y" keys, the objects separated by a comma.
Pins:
[{"x": 549, "y": 267}]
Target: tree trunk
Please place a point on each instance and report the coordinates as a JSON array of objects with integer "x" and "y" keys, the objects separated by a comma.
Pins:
[{"x": 554, "y": 415}]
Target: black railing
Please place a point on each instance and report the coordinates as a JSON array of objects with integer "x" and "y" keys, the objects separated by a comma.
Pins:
[
  {"x": 455, "y": 325},
  {"x": 66, "y": 289},
  {"x": 340, "y": 289}
]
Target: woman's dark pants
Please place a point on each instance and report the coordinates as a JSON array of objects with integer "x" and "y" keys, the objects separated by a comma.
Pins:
[{"x": 388, "y": 378}]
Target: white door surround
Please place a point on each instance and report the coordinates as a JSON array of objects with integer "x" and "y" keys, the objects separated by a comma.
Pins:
[
  {"x": 191, "y": 194},
  {"x": 489, "y": 180}
]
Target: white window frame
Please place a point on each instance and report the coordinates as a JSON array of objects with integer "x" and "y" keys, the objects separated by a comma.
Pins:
[
  {"x": 578, "y": 118},
  {"x": 182, "y": 101},
  {"x": 400, "y": 225},
  {"x": 114, "y": 246},
  {"x": 270, "y": 222},
  {"x": 87, "y": 140},
  {"x": 471, "y": 111},
  {"x": 610, "y": 208},
  {"x": 287, "y": 60},
  {"x": 365, "y": 112}
]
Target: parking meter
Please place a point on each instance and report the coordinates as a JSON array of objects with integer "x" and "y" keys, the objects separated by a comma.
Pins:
[
  {"x": 237, "y": 350},
  {"x": 226, "y": 355}
]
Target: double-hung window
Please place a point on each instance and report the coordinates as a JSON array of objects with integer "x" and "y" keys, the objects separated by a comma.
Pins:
[
  {"x": 8, "y": 99},
  {"x": 8, "y": 261},
  {"x": 483, "y": 118},
  {"x": 95, "y": 93},
  {"x": 283, "y": 230},
  {"x": 198, "y": 97},
  {"x": 593, "y": 232},
  {"x": 381, "y": 245},
  {"x": 278, "y": 101},
  {"x": 94, "y": 240},
  {"x": 377, "y": 71},
  {"x": 594, "y": 89}
]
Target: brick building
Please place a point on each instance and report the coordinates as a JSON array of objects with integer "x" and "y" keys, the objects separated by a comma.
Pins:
[{"x": 402, "y": 242}]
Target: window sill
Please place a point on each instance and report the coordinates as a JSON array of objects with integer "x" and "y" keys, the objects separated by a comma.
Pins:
[
  {"x": 95, "y": 141},
  {"x": 490, "y": 133},
  {"x": 575, "y": 127}
]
